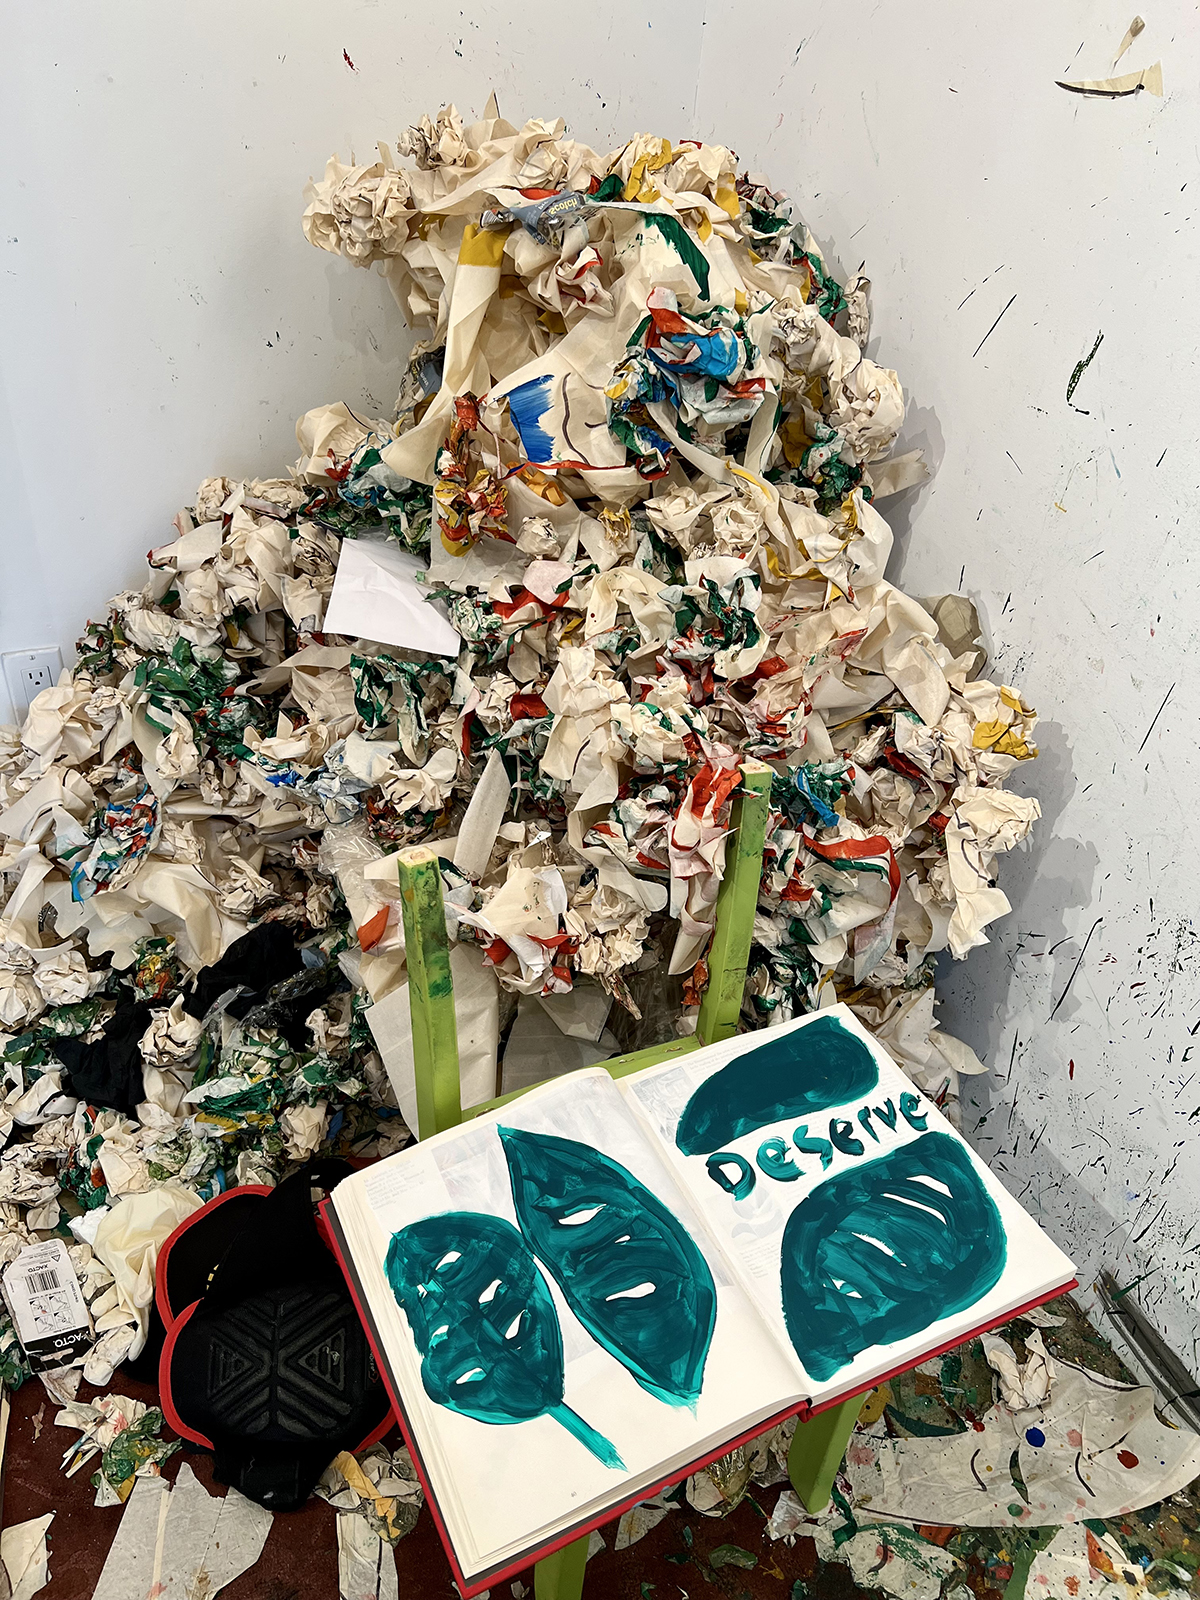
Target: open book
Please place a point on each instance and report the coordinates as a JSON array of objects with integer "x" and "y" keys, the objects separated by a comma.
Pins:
[{"x": 605, "y": 1282}]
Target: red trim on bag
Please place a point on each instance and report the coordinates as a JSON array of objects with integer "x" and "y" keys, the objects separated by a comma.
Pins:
[
  {"x": 160, "y": 1268},
  {"x": 165, "y": 1397}
]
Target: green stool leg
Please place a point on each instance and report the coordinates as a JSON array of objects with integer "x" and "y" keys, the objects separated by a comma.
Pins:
[
  {"x": 817, "y": 1450},
  {"x": 560, "y": 1576},
  {"x": 737, "y": 901},
  {"x": 430, "y": 991}
]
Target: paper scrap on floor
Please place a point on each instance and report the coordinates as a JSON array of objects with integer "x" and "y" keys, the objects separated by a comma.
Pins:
[
  {"x": 1094, "y": 1449},
  {"x": 177, "y": 1542},
  {"x": 25, "y": 1556},
  {"x": 366, "y": 1564}
]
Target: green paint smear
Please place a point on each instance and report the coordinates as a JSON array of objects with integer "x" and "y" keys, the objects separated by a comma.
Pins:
[
  {"x": 1082, "y": 366},
  {"x": 1023, "y": 1545},
  {"x": 684, "y": 246},
  {"x": 941, "y": 1252},
  {"x": 484, "y": 1323},
  {"x": 804, "y": 1072},
  {"x": 627, "y": 1267},
  {"x": 732, "y": 1555}
]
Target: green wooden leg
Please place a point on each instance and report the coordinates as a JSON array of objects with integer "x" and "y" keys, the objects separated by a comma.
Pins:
[
  {"x": 817, "y": 1450},
  {"x": 737, "y": 900},
  {"x": 430, "y": 992},
  {"x": 560, "y": 1576}
]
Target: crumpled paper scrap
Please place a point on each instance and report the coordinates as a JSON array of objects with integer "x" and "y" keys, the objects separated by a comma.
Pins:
[
  {"x": 378, "y": 1499},
  {"x": 1093, "y": 1449},
  {"x": 719, "y": 1488},
  {"x": 888, "y": 1557},
  {"x": 124, "y": 1432},
  {"x": 638, "y": 1521},
  {"x": 380, "y": 1486},
  {"x": 1022, "y": 1384},
  {"x": 23, "y": 1549}
]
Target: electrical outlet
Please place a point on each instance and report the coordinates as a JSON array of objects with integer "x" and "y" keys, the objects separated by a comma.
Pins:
[{"x": 28, "y": 672}]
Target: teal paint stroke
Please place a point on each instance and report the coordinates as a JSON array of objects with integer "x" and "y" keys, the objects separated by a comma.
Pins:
[
  {"x": 817, "y": 1066},
  {"x": 484, "y": 1323},
  {"x": 627, "y": 1267},
  {"x": 884, "y": 1249}
]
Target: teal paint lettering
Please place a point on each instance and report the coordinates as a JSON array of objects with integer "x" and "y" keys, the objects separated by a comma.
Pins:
[
  {"x": 864, "y": 1116},
  {"x": 775, "y": 1162},
  {"x": 908, "y": 1110},
  {"x": 842, "y": 1134},
  {"x": 817, "y": 1066},
  {"x": 484, "y": 1323},
  {"x": 627, "y": 1267},
  {"x": 886, "y": 1113},
  {"x": 812, "y": 1147},
  {"x": 882, "y": 1250},
  {"x": 738, "y": 1187}
]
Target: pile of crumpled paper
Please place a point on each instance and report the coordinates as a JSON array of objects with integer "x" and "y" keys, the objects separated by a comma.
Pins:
[{"x": 634, "y": 476}]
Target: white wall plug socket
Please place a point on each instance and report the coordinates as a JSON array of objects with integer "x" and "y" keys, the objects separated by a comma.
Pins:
[{"x": 28, "y": 672}]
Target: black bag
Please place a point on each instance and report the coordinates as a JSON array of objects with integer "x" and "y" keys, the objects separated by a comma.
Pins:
[{"x": 265, "y": 1361}]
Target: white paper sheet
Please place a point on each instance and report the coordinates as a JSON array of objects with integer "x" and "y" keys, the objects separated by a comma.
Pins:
[
  {"x": 1093, "y": 1449},
  {"x": 376, "y": 596},
  {"x": 477, "y": 1012}
]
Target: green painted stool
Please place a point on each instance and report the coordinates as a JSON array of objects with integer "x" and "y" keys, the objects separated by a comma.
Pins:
[{"x": 819, "y": 1444}]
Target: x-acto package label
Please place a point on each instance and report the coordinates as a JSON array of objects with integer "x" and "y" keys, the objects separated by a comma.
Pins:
[{"x": 48, "y": 1310}]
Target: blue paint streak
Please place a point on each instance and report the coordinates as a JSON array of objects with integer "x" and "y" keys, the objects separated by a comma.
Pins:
[{"x": 528, "y": 403}]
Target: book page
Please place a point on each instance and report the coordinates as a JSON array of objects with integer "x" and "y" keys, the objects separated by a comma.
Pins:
[
  {"x": 861, "y": 1222},
  {"x": 571, "y": 1328}
]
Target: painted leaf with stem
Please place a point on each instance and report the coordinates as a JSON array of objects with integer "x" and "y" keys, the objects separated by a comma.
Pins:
[{"x": 484, "y": 1322}]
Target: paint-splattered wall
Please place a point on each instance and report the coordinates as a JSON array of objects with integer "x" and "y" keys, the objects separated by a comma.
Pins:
[
  {"x": 932, "y": 141},
  {"x": 163, "y": 317}
]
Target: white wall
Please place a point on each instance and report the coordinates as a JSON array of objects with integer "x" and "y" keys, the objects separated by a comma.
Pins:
[
  {"x": 163, "y": 317},
  {"x": 930, "y": 139}
]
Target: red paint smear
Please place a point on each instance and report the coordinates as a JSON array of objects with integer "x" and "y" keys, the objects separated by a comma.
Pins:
[
  {"x": 1070, "y": 1069},
  {"x": 528, "y": 705},
  {"x": 1127, "y": 1458},
  {"x": 347, "y": 60}
]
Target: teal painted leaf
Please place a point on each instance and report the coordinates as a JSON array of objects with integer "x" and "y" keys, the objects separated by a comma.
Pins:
[
  {"x": 817, "y": 1066},
  {"x": 885, "y": 1248},
  {"x": 627, "y": 1267},
  {"x": 484, "y": 1322}
]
